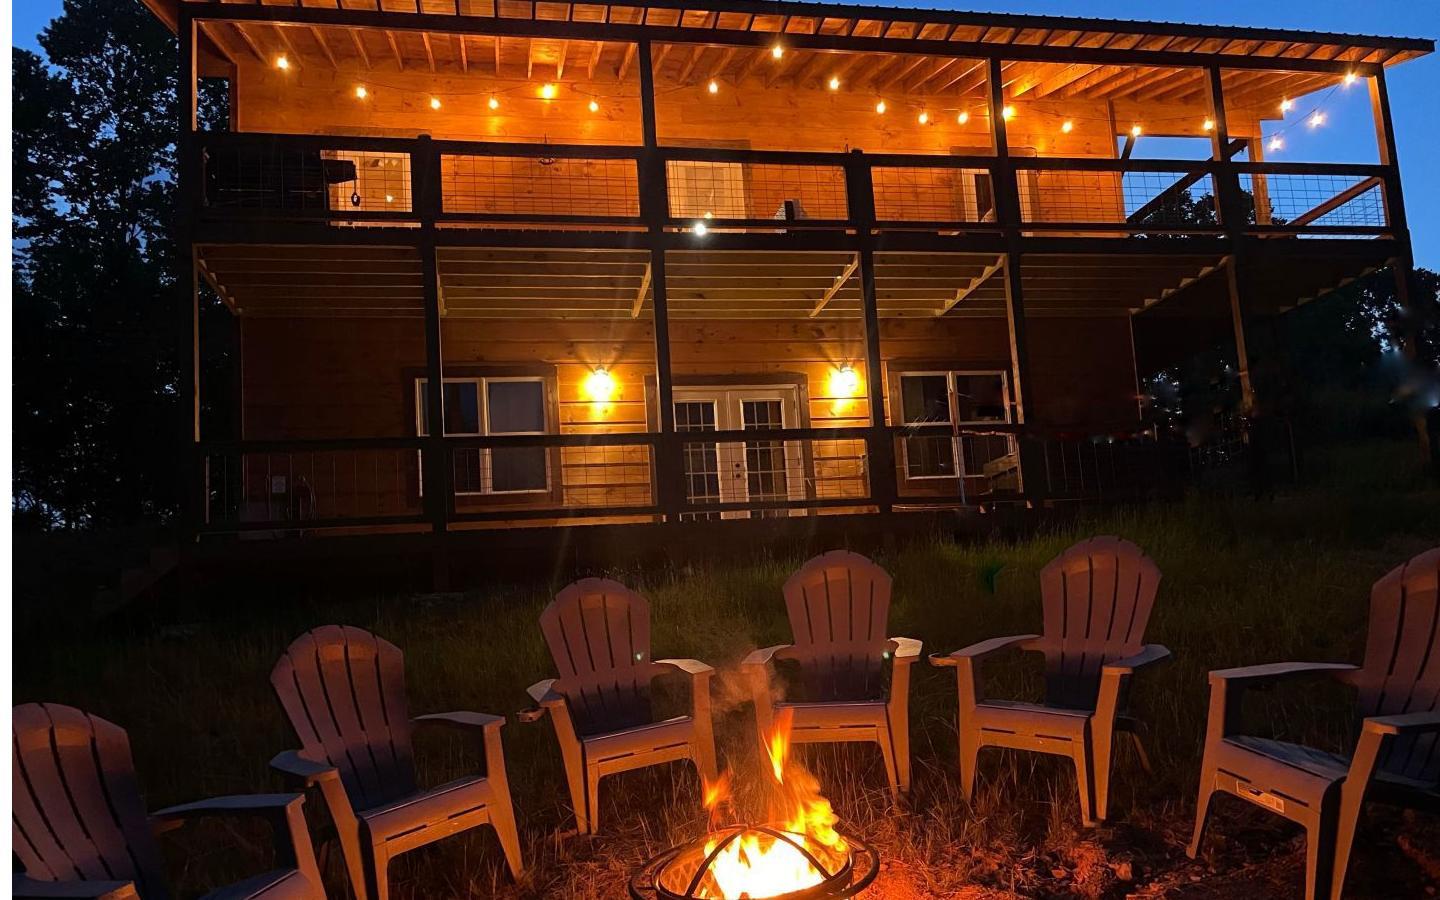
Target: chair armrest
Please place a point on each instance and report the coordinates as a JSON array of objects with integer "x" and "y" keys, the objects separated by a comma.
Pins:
[
  {"x": 461, "y": 719},
  {"x": 692, "y": 667},
  {"x": 906, "y": 651},
  {"x": 1248, "y": 675},
  {"x": 1148, "y": 655},
  {"x": 305, "y": 771},
  {"x": 765, "y": 655},
  {"x": 546, "y": 699},
  {"x": 977, "y": 652},
  {"x": 1407, "y": 723},
  {"x": 25, "y": 886},
  {"x": 286, "y": 815}
]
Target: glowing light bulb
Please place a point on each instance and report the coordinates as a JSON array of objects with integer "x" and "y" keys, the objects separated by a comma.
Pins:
[
  {"x": 1286, "y": 105},
  {"x": 1350, "y": 77},
  {"x": 924, "y": 118},
  {"x": 1317, "y": 119},
  {"x": 594, "y": 107},
  {"x": 547, "y": 91},
  {"x": 963, "y": 118},
  {"x": 494, "y": 104},
  {"x": 1135, "y": 130},
  {"x": 1068, "y": 127},
  {"x": 834, "y": 83},
  {"x": 777, "y": 51},
  {"x": 282, "y": 62},
  {"x": 434, "y": 102},
  {"x": 600, "y": 384},
  {"x": 360, "y": 92},
  {"x": 880, "y": 107},
  {"x": 1275, "y": 144},
  {"x": 700, "y": 229},
  {"x": 1208, "y": 125},
  {"x": 1007, "y": 113},
  {"x": 844, "y": 381},
  {"x": 709, "y": 214},
  {"x": 714, "y": 86},
  {"x": 389, "y": 198}
]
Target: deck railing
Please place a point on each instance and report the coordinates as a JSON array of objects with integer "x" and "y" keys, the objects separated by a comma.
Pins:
[{"x": 386, "y": 181}]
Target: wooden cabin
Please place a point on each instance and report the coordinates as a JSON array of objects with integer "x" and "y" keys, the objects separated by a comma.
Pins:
[{"x": 661, "y": 261}]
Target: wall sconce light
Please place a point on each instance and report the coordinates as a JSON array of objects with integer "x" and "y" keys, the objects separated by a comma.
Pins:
[
  {"x": 844, "y": 381},
  {"x": 600, "y": 385}
]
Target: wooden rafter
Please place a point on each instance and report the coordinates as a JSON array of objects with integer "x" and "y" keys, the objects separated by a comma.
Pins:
[
  {"x": 719, "y": 66},
  {"x": 395, "y": 49},
  {"x": 691, "y": 63},
  {"x": 903, "y": 72},
  {"x": 214, "y": 35},
  {"x": 594, "y": 63},
  {"x": 626, "y": 62},
  {"x": 973, "y": 286},
  {"x": 834, "y": 289},
  {"x": 429, "y": 50},
  {"x": 464, "y": 54},
  {"x": 639, "y": 302},
  {"x": 360, "y": 47},
  {"x": 560, "y": 58},
  {"x": 324, "y": 46},
  {"x": 283, "y": 36},
  {"x": 245, "y": 36}
]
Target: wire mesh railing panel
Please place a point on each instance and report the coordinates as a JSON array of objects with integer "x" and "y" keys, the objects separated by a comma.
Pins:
[
  {"x": 967, "y": 466},
  {"x": 702, "y": 189},
  {"x": 1320, "y": 200},
  {"x": 489, "y": 479},
  {"x": 1178, "y": 199},
  {"x": 771, "y": 478},
  {"x": 597, "y": 476},
  {"x": 252, "y": 490},
  {"x": 932, "y": 194},
  {"x": 1109, "y": 468},
  {"x": 305, "y": 181},
  {"x": 539, "y": 186}
]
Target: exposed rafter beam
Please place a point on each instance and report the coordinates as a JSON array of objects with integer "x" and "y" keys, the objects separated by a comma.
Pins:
[
  {"x": 324, "y": 46},
  {"x": 834, "y": 289},
  {"x": 594, "y": 60},
  {"x": 395, "y": 49},
  {"x": 244, "y": 33},
  {"x": 464, "y": 54},
  {"x": 639, "y": 303},
  {"x": 973, "y": 286},
  {"x": 429, "y": 50},
  {"x": 560, "y": 60},
  {"x": 360, "y": 47}
]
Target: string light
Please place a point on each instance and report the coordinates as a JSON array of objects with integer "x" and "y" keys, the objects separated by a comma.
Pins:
[
  {"x": 1135, "y": 130},
  {"x": 282, "y": 62},
  {"x": 834, "y": 82},
  {"x": 1007, "y": 113},
  {"x": 1067, "y": 127},
  {"x": 777, "y": 51},
  {"x": 714, "y": 86},
  {"x": 880, "y": 107},
  {"x": 494, "y": 103},
  {"x": 1317, "y": 119},
  {"x": 1350, "y": 78},
  {"x": 963, "y": 117},
  {"x": 924, "y": 118},
  {"x": 389, "y": 198},
  {"x": 1286, "y": 105},
  {"x": 434, "y": 102},
  {"x": 594, "y": 107},
  {"x": 547, "y": 91},
  {"x": 700, "y": 229},
  {"x": 1209, "y": 125},
  {"x": 1275, "y": 144},
  {"x": 360, "y": 92}
]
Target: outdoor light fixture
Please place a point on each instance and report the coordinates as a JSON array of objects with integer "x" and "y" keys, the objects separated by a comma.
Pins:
[
  {"x": 924, "y": 118},
  {"x": 1275, "y": 144},
  {"x": 1286, "y": 105},
  {"x": 1008, "y": 113},
  {"x": 434, "y": 102},
  {"x": 714, "y": 86},
  {"x": 1068, "y": 127},
  {"x": 1135, "y": 130},
  {"x": 1208, "y": 125},
  {"x": 600, "y": 385},
  {"x": 700, "y": 229},
  {"x": 777, "y": 51},
  {"x": 1317, "y": 119},
  {"x": 360, "y": 92},
  {"x": 594, "y": 107},
  {"x": 880, "y": 107},
  {"x": 547, "y": 91},
  {"x": 834, "y": 82},
  {"x": 282, "y": 62},
  {"x": 1350, "y": 77},
  {"x": 844, "y": 381},
  {"x": 963, "y": 118},
  {"x": 494, "y": 104}
]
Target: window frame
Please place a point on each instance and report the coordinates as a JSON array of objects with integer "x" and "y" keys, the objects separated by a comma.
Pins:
[
  {"x": 953, "y": 420},
  {"x": 482, "y": 400}
]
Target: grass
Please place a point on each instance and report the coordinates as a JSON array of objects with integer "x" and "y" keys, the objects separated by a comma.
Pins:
[{"x": 1245, "y": 582}]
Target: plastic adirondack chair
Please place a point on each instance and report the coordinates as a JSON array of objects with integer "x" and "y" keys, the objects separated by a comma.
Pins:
[
  {"x": 343, "y": 690},
  {"x": 598, "y": 632},
  {"x": 839, "y": 604},
  {"x": 1097, "y": 598},
  {"x": 80, "y": 828},
  {"x": 1397, "y": 758}
]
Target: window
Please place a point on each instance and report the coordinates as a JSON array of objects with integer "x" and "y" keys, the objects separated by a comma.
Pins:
[
  {"x": 492, "y": 406},
  {"x": 956, "y": 399}
]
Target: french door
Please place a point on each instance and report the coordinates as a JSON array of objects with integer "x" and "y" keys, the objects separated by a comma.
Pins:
[{"x": 748, "y": 471}]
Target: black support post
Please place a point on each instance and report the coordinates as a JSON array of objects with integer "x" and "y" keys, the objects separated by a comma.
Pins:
[
  {"x": 880, "y": 446},
  {"x": 435, "y": 457},
  {"x": 192, "y": 498}
]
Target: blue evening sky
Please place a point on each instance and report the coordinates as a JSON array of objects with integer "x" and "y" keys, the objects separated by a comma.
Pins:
[{"x": 1347, "y": 136}]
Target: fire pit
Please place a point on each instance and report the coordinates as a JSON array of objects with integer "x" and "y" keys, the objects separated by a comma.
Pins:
[{"x": 757, "y": 861}]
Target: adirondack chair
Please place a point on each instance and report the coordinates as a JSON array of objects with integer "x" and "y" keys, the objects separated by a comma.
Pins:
[
  {"x": 343, "y": 690},
  {"x": 598, "y": 632},
  {"x": 79, "y": 827},
  {"x": 1397, "y": 758},
  {"x": 838, "y": 604},
  {"x": 1097, "y": 598}
]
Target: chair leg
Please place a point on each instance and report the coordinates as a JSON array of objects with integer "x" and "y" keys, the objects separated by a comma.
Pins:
[
  {"x": 1081, "y": 754},
  {"x": 1140, "y": 750},
  {"x": 969, "y": 759},
  {"x": 502, "y": 816},
  {"x": 1320, "y": 850},
  {"x": 891, "y": 772},
  {"x": 379, "y": 873},
  {"x": 704, "y": 753},
  {"x": 592, "y": 797},
  {"x": 353, "y": 854},
  {"x": 1202, "y": 810},
  {"x": 1102, "y": 745},
  {"x": 900, "y": 739},
  {"x": 574, "y": 760},
  {"x": 1352, "y": 802}
]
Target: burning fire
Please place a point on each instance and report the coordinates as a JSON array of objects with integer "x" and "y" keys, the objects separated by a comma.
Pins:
[{"x": 756, "y": 865}]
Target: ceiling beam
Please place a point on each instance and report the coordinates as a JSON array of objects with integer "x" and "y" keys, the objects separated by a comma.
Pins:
[
  {"x": 834, "y": 289},
  {"x": 973, "y": 286},
  {"x": 639, "y": 303}
]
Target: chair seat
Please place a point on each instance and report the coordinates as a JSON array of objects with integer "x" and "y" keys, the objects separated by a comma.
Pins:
[
  {"x": 666, "y": 733},
  {"x": 837, "y": 714},
  {"x": 281, "y": 884},
  {"x": 1031, "y": 718},
  {"x": 427, "y": 808}
]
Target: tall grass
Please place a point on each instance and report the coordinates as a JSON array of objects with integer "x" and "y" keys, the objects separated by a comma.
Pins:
[{"x": 1244, "y": 581}]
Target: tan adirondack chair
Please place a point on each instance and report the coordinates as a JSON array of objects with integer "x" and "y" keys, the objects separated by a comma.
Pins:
[
  {"x": 839, "y": 604},
  {"x": 343, "y": 690},
  {"x": 79, "y": 824},
  {"x": 1397, "y": 758},
  {"x": 1097, "y": 598},
  {"x": 598, "y": 632}
]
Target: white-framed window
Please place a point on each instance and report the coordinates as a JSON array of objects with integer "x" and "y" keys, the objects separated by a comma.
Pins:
[
  {"x": 958, "y": 398},
  {"x": 492, "y": 406}
]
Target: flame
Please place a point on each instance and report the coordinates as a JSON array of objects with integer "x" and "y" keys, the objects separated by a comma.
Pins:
[{"x": 756, "y": 865}]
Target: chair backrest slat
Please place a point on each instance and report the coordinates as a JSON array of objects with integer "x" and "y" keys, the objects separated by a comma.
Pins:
[
  {"x": 839, "y": 605},
  {"x": 343, "y": 690},
  {"x": 598, "y": 632},
  {"x": 1097, "y": 597},
  {"x": 1401, "y": 672},
  {"x": 77, "y": 812}
]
